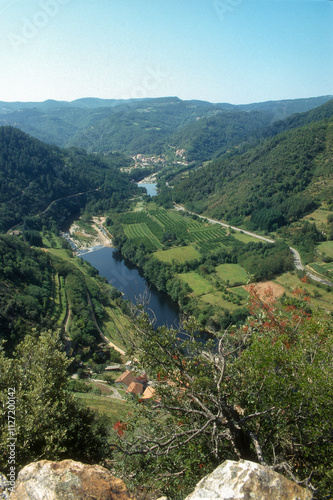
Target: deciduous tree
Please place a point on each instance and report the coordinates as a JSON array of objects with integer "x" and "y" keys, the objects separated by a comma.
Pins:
[{"x": 262, "y": 392}]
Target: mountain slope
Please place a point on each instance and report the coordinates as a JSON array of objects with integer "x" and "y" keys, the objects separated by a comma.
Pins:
[
  {"x": 272, "y": 184},
  {"x": 213, "y": 136},
  {"x": 323, "y": 112},
  {"x": 33, "y": 174},
  {"x": 132, "y": 126}
]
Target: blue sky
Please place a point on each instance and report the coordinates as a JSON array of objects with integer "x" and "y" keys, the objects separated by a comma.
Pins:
[{"x": 236, "y": 51}]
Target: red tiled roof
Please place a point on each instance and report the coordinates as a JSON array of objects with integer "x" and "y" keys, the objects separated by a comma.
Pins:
[
  {"x": 148, "y": 393},
  {"x": 126, "y": 378},
  {"x": 135, "y": 388}
]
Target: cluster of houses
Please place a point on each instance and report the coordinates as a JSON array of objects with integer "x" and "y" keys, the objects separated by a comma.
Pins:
[{"x": 136, "y": 385}]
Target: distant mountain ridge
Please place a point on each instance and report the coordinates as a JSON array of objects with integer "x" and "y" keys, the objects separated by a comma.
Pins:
[{"x": 135, "y": 125}]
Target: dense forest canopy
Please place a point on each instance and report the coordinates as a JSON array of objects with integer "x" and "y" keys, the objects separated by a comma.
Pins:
[
  {"x": 275, "y": 182},
  {"x": 133, "y": 125},
  {"x": 33, "y": 175}
]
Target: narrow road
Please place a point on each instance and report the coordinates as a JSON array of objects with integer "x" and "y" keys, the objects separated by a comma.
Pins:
[
  {"x": 297, "y": 257},
  {"x": 50, "y": 205},
  {"x": 66, "y": 198},
  {"x": 214, "y": 221}
]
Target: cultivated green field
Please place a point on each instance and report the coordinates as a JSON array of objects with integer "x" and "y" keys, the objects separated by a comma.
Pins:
[
  {"x": 139, "y": 233},
  {"x": 154, "y": 227},
  {"x": 233, "y": 273},
  {"x": 117, "y": 326},
  {"x": 179, "y": 254},
  {"x": 197, "y": 283},
  {"x": 327, "y": 248},
  {"x": 245, "y": 238},
  {"x": 220, "y": 299}
]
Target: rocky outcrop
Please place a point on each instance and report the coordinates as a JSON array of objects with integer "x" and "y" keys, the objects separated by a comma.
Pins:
[
  {"x": 245, "y": 480},
  {"x": 67, "y": 480},
  {"x": 4, "y": 493}
]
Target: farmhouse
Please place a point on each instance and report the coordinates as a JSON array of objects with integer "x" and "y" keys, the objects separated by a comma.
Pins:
[
  {"x": 125, "y": 379},
  {"x": 135, "y": 388}
]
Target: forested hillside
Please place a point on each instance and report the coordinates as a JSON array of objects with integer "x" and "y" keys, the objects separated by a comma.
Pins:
[
  {"x": 45, "y": 289},
  {"x": 139, "y": 125},
  {"x": 33, "y": 175},
  {"x": 214, "y": 136},
  {"x": 272, "y": 184},
  {"x": 143, "y": 127}
]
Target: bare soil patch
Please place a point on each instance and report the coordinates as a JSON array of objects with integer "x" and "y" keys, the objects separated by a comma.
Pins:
[
  {"x": 268, "y": 291},
  {"x": 104, "y": 237}
]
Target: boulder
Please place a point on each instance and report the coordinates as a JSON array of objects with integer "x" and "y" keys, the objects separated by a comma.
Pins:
[
  {"x": 4, "y": 493},
  {"x": 67, "y": 480},
  {"x": 246, "y": 480}
]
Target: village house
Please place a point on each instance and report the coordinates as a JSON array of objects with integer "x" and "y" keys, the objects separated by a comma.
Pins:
[
  {"x": 125, "y": 379},
  {"x": 135, "y": 388}
]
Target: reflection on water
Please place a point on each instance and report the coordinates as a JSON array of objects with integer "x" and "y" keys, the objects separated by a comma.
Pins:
[{"x": 132, "y": 284}]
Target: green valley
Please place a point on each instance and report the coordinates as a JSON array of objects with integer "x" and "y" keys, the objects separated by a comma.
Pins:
[{"x": 239, "y": 194}]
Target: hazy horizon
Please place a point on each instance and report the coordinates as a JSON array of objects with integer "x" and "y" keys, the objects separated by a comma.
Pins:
[{"x": 220, "y": 51}]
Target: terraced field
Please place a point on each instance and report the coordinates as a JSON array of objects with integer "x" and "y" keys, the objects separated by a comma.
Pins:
[
  {"x": 327, "y": 248},
  {"x": 140, "y": 233},
  {"x": 154, "y": 226}
]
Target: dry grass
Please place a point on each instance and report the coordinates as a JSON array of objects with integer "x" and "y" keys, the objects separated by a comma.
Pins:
[{"x": 268, "y": 291}]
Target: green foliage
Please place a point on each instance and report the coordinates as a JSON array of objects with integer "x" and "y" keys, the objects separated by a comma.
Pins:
[
  {"x": 264, "y": 261},
  {"x": 49, "y": 423},
  {"x": 255, "y": 393},
  {"x": 27, "y": 278},
  {"x": 274, "y": 183},
  {"x": 33, "y": 175},
  {"x": 80, "y": 386},
  {"x": 33, "y": 238}
]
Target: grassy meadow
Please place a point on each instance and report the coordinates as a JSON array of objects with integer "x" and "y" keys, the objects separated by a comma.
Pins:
[
  {"x": 178, "y": 254},
  {"x": 115, "y": 409}
]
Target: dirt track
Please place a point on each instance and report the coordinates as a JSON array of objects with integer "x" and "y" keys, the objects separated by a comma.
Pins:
[{"x": 103, "y": 238}]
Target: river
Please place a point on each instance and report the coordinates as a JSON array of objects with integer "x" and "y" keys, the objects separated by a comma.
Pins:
[
  {"x": 132, "y": 284},
  {"x": 149, "y": 186},
  {"x": 127, "y": 278}
]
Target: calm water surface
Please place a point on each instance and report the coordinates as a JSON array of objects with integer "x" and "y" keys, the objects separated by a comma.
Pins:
[
  {"x": 128, "y": 279},
  {"x": 133, "y": 285},
  {"x": 150, "y": 188}
]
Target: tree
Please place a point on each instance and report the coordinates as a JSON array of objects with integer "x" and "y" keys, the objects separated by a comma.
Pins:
[
  {"x": 49, "y": 422},
  {"x": 255, "y": 392}
]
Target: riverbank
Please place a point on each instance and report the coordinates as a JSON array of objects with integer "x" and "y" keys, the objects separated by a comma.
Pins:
[
  {"x": 150, "y": 179},
  {"x": 85, "y": 236}
]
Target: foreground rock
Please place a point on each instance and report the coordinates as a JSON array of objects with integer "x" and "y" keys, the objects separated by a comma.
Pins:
[
  {"x": 67, "y": 480},
  {"x": 4, "y": 493},
  {"x": 245, "y": 480}
]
